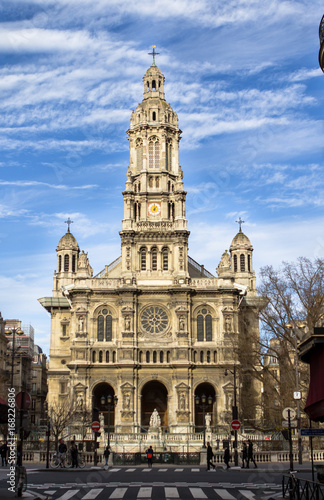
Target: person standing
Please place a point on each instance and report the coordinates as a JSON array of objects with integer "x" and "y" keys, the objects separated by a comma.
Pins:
[
  {"x": 149, "y": 456},
  {"x": 3, "y": 452},
  {"x": 227, "y": 457},
  {"x": 74, "y": 454},
  {"x": 106, "y": 454},
  {"x": 250, "y": 456},
  {"x": 244, "y": 455},
  {"x": 210, "y": 455},
  {"x": 62, "y": 449}
]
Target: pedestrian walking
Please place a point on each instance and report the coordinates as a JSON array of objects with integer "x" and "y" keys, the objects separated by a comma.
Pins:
[
  {"x": 244, "y": 455},
  {"x": 227, "y": 457},
  {"x": 149, "y": 456},
  {"x": 250, "y": 456},
  {"x": 210, "y": 455},
  {"x": 106, "y": 454},
  {"x": 74, "y": 454},
  {"x": 3, "y": 452}
]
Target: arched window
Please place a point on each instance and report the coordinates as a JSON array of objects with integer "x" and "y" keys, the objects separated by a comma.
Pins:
[
  {"x": 165, "y": 259},
  {"x": 201, "y": 356},
  {"x": 153, "y": 85},
  {"x": 195, "y": 357},
  {"x": 235, "y": 263},
  {"x": 249, "y": 263},
  {"x": 139, "y": 155},
  {"x": 93, "y": 356},
  {"x": 100, "y": 328},
  {"x": 154, "y": 152},
  {"x": 200, "y": 328},
  {"x": 161, "y": 356},
  {"x": 104, "y": 325},
  {"x": 154, "y": 116},
  {"x": 154, "y": 357},
  {"x": 73, "y": 263},
  {"x": 215, "y": 356},
  {"x": 100, "y": 356},
  {"x": 108, "y": 328},
  {"x": 141, "y": 356},
  {"x": 168, "y": 356},
  {"x": 59, "y": 263},
  {"x": 114, "y": 356},
  {"x": 107, "y": 356},
  {"x": 150, "y": 181},
  {"x": 157, "y": 182},
  {"x": 208, "y": 357},
  {"x": 154, "y": 259},
  {"x": 204, "y": 326},
  {"x": 143, "y": 259},
  {"x": 242, "y": 262},
  {"x": 66, "y": 262},
  {"x": 147, "y": 356}
]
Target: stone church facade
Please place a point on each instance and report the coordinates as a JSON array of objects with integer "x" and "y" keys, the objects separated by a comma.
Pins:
[{"x": 155, "y": 328}]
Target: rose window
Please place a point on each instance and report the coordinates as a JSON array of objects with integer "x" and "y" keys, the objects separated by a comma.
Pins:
[{"x": 154, "y": 320}]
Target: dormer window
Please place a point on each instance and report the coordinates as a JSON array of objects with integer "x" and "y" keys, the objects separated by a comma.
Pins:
[{"x": 154, "y": 116}]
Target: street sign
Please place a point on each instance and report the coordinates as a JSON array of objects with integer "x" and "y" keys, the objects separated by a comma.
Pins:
[
  {"x": 285, "y": 423},
  {"x": 236, "y": 425},
  {"x": 95, "y": 426},
  {"x": 285, "y": 413},
  {"x": 19, "y": 400},
  {"x": 312, "y": 432},
  {"x": 297, "y": 395}
]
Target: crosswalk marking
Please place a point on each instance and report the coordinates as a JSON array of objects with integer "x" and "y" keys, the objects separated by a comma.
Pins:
[
  {"x": 145, "y": 492},
  {"x": 247, "y": 494},
  {"x": 195, "y": 470},
  {"x": 171, "y": 492},
  {"x": 92, "y": 494},
  {"x": 224, "y": 494},
  {"x": 50, "y": 492},
  {"x": 197, "y": 493},
  {"x": 146, "y": 470},
  {"x": 130, "y": 470},
  {"x": 118, "y": 493},
  {"x": 178, "y": 470},
  {"x": 162, "y": 470},
  {"x": 68, "y": 494}
]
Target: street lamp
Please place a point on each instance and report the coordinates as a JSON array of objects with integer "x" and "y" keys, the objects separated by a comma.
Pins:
[
  {"x": 110, "y": 402},
  {"x": 234, "y": 411},
  {"x": 14, "y": 331},
  {"x": 202, "y": 402}
]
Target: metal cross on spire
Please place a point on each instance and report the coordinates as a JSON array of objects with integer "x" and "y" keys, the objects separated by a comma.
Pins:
[
  {"x": 69, "y": 222},
  {"x": 153, "y": 54},
  {"x": 240, "y": 222}
]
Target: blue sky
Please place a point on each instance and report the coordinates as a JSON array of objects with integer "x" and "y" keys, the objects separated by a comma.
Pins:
[{"x": 243, "y": 77}]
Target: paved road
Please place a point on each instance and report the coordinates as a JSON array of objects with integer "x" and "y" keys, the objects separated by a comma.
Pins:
[{"x": 158, "y": 483}]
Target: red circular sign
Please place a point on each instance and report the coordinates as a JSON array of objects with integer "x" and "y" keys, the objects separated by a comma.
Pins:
[
  {"x": 95, "y": 426},
  {"x": 236, "y": 425},
  {"x": 23, "y": 400}
]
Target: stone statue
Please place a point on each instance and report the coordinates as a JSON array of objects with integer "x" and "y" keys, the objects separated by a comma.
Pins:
[
  {"x": 207, "y": 421},
  {"x": 181, "y": 323},
  {"x": 155, "y": 420},
  {"x": 81, "y": 323},
  {"x": 228, "y": 324},
  {"x": 182, "y": 404},
  {"x": 127, "y": 402},
  {"x": 79, "y": 402},
  {"x": 102, "y": 422},
  {"x": 127, "y": 323}
]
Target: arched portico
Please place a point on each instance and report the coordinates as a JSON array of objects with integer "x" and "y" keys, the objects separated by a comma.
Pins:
[
  {"x": 154, "y": 395},
  {"x": 103, "y": 389},
  {"x": 207, "y": 390}
]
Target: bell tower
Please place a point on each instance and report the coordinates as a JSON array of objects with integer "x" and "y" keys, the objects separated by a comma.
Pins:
[{"x": 154, "y": 232}]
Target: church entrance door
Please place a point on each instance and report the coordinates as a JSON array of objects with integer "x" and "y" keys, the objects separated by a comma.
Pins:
[
  {"x": 154, "y": 396},
  {"x": 100, "y": 404},
  {"x": 206, "y": 390}
]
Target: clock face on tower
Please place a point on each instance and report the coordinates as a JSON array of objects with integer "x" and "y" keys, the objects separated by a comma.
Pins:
[{"x": 154, "y": 209}]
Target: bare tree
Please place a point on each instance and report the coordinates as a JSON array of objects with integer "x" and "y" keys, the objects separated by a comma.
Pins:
[
  {"x": 61, "y": 415},
  {"x": 295, "y": 294}
]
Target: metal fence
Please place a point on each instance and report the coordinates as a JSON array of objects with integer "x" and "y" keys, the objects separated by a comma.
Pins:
[
  {"x": 160, "y": 458},
  {"x": 301, "y": 489}
]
